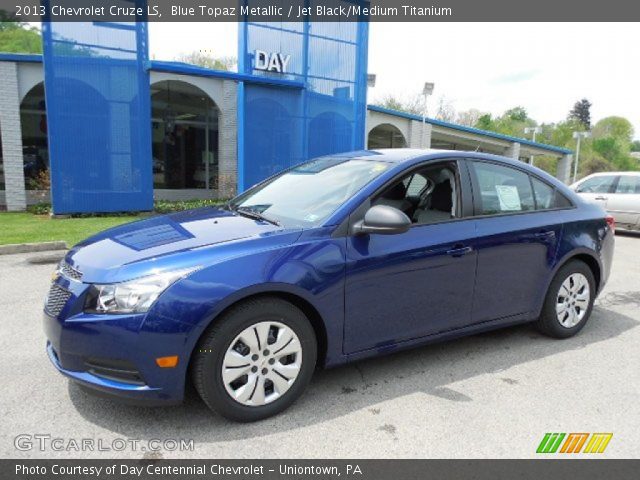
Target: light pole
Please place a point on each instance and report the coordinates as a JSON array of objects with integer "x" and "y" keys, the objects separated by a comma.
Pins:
[
  {"x": 371, "y": 82},
  {"x": 578, "y": 136},
  {"x": 426, "y": 91},
  {"x": 534, "y": 131}
]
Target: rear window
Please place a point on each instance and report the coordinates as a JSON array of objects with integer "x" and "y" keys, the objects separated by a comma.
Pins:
[
  {"x": 628, "y": 184},
  {"x": 508, "y": 190},
  {"x": 547, "y": 197},
  {"x": 503, "y": 189}
]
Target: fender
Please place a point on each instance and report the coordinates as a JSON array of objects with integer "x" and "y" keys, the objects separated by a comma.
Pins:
[
  {"x": 312, "y": 271},
  {"x": 333, "y": 330}
]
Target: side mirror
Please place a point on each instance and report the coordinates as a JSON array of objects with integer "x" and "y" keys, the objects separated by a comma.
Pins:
[{"x": 383, "y": 220}]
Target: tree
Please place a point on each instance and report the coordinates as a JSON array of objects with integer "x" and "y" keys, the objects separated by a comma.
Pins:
[
  {"x": 412, "y": 104},
  {"x": 612, "y": 139},
  {"x": 203, "y": 59},
  {"x": 469, "y": 117},
  {"x": 618, "y": 127},
  {"x": 512, "y": 122},
  {"x": 445, "y": 111},
  {"x": 485, "y": 122},
  {"x": 635, "y": 146},
  {"x": 517, "y": 114},
  {"x": 18, "y": 37},
  {"x": 581, "y": 112}
]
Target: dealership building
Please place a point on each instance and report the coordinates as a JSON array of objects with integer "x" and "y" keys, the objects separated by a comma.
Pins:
[{"x": 93, "y": 125}]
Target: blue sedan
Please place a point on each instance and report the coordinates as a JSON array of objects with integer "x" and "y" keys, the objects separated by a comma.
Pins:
[{"x": 341, "y": 258}]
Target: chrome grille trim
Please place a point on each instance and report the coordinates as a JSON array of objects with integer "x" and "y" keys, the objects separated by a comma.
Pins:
[
  {"x": 56, "y": 300},
  {"x": 68, "y": 271}
]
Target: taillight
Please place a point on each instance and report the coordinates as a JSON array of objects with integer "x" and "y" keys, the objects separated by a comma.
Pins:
[{"x": 611, "y": 222}]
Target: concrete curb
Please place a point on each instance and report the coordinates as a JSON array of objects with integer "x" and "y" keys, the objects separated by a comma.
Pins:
[{"x": 31, "y": 247}]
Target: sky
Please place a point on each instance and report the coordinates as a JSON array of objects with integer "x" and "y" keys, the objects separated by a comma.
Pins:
[{"x": 543, "y": 67}]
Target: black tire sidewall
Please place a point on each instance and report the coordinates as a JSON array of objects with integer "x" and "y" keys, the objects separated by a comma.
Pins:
[
  {"x": 213, "y": 347},
  {"x": 549, "y": 321}
]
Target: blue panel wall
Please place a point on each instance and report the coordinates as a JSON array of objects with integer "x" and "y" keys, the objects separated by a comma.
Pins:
[
  {"x": 98, "y": 106},
  {"x": 280, "y": 127}
]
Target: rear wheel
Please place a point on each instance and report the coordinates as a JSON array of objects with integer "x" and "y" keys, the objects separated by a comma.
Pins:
[
  {"x": 569, "y": 301},
  {"x": 256, "y": 360}
]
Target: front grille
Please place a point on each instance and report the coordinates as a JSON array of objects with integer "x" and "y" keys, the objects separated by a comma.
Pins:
[
  {"x": 56, "y": 299},
  {"x": 117, "y": 370},
  {"x": 68, "y": 271}
]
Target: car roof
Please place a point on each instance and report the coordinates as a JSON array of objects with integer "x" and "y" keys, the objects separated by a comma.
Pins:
[
  {"x": 410, "y": 155},
  {"x": 392, "y": 155},
  {"x": 613, "y": 174},
  {"x": 405, "y": 157}
]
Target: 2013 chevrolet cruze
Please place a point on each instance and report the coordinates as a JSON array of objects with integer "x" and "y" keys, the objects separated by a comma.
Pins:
[{"x": 338, "y": 259}]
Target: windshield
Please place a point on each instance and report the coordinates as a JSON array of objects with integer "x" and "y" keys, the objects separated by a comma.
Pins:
[{"x": 308, "y": 194}]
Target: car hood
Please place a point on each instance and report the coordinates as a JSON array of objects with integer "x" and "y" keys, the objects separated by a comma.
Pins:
[{"x": 193, "y": 238}]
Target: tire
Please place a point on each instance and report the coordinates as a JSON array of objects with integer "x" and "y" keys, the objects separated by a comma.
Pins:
[
  {"x": 566, "y": 311},
  {"x": 266, "y": 384}
]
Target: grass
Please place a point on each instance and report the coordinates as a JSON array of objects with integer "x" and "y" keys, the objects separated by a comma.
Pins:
[{"x": 30, "y": 228}]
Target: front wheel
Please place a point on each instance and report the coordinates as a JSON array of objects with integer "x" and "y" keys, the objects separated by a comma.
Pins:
[
  {"x": 569, "y": 301},
  {"x": 256, "y": 360}
]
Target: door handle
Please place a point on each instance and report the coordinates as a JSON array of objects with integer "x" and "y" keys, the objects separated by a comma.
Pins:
[
  {"x": 459, "y": 251},
  {"x": 600, "y": 197}
]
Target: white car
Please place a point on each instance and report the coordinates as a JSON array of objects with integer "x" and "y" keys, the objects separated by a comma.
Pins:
[{"x": 617, "y": 192}]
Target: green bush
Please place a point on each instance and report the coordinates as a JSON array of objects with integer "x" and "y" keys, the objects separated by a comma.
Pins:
[
  {"x": 159, "y": 206},
  {"x": 163, "y": 206},
  {"x": 42, "y": 208}
]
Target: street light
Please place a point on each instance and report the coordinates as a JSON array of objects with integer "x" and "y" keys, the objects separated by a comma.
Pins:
[
  {"x": 578, "y": 136},
  {"x": 371, "y": 80},
  {"x": 534, "y": 131},
  {"x": 426, "y": 91}
]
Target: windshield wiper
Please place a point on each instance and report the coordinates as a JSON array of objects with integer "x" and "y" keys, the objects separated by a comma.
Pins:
[{"x": 249, "y": 213}]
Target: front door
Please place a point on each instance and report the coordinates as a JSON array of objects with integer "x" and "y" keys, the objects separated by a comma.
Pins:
[
  {"x": 597, "y": 189},
  {"x": 409, "y": 285}
]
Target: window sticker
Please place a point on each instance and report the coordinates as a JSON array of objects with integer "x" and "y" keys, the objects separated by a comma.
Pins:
[{"x": 508, "y": 197}]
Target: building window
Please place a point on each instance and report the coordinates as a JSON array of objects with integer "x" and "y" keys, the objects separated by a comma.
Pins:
[
  {"x": 184, "y": 129},
  {"x": 35, "y": 144},
  {"x": 386, "y": 136}
]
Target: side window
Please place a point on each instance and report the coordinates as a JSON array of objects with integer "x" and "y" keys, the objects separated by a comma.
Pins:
[
  {"x": 599, "y": 184},
  {"x": 417, "y": 183},
  {"x": 429, "y": 195},
  {"x": 628, "y": 184},
  {"x": 503, "y": 189},
  {"x": 548, "y": 197}
]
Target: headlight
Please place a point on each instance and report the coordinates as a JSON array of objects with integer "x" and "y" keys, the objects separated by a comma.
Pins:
[{"x": 135, "y": 296}]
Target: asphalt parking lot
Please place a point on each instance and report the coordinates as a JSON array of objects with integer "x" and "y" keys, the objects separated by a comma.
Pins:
[{"x": 488, "y": 396}]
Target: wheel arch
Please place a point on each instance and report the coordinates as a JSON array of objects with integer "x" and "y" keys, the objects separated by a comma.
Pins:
[
  {"x": 586, "y": 256},
  {"x": 282, "y": 292}
]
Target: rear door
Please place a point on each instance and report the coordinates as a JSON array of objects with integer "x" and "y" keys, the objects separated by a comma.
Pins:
[
  {"x": 624, "y": 202},
  {"x": 516, "y": 241}
]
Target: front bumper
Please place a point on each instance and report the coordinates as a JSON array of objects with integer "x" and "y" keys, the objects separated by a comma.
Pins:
[{"x": 114, "y": 355}]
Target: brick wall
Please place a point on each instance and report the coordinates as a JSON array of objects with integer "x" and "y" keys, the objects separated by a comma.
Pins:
[
  {"x": 11, "y": 132},
  {"x": 227, "y": 135}
]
